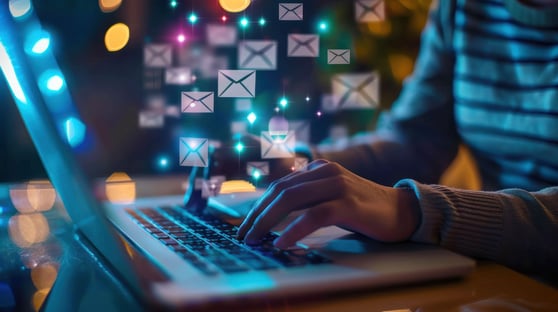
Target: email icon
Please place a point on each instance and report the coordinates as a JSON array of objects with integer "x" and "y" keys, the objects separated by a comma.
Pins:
[
  {"x": 178, "y": 76},
  {"x": 157, "y": 55},
  {"x": 236, "y": 83},
  {"x": 257, "y": 168},
  {"x": 210, "y": 65},
  {"x": 239, "y": 127},
  {"x": 303, "y": 45},
  {"x": 369, "y": 10},
  {"x": 277, "y": 146},
  {"x": 212, "y": 187},
  {"x": 338, "y": 56},
  {"x": 301, "y": 130},
  {"x": 193, "y": 152},
  {"x": 243, "y": 105},
  {"x": 356, "y": 91},
  {"x": 300, "y": 164},
  {"x": 221, "y": 35},
  {"x": 257, "y": 54},
  {"x": 151, "y": 119},
  {"x": 291, "y": 11},
  {"x": 197, "y": 102}
]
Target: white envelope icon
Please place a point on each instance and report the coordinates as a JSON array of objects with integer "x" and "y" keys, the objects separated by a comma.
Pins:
[
  {"x": 151, "y": 119},
  {"x": 338, "y": 56},
  {"x": 257, "y": 54},
  {"x": 291, "y": 11},
  {"x": 369, "y": 10},
  {"x": 300, "y": 163},
  {"x": 236, "y": 83},
  {"x": 221, "y": 35},
  {"x": 193, "y": 152},
  {"x": 210, "y": 64},
  {"x": 197, "y": 102},
  {"x": 277, "y": 147},
  {"x": 157, "y": 55},
  {"x": 257, "y": 168},
  {"x": 354, "y": 91},
  {"x": 212, "y": 187},
  {"x": 303, "y": 45},
  {"x": 178, "y": 76},
  {"x": 301, "y": 130}
]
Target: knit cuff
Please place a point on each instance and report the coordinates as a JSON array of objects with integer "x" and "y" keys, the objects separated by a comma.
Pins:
[{"x": 469, "y": 222}]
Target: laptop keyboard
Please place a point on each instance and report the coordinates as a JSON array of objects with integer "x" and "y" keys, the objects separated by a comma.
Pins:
[{"x": 210, "y": 244}]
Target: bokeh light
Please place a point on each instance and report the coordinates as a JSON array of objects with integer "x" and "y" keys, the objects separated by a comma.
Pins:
[
  {"x": 193, "y": 18},
  {"x": 283, "y": 102},
  {"x": 75, "y": 131},
  {"x": 234, "y": 6},
  {"x": 224, "y": 18},
  {"x": 37, "y": 42},
  {"x": 117, "y": 37},
  {"x": 120, "y": 188},
  {"x": 244, "y": 22},
  {"x": 239, "y": 147},
  {"x": 20, "y": 8},
  {"x": 173, "y": 4},
  {"x": 55, "y": 83},
  {"x": 251, "y": 118},
  {"x": 34, "y": 196},
  {"x": 181, "y": 38},
  {"x": 108, "y": 6},
  {"x": 262, "y": 21},
  {"x": 28, "y": 229},
  {"x": 323, "y": 26},
  {"x": 44, "y": 275},
  {"x": 236, "y": 186}
]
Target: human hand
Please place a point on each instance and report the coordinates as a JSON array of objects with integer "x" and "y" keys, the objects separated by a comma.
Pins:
[{"x": 332, "y": 195}]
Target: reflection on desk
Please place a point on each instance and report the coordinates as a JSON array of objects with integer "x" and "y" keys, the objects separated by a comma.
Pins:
[{"x": 37, "y": 246}]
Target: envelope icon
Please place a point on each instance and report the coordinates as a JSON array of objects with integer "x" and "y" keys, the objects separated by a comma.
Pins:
[
  {"x": 212, "y": 187},
  {"x": 338, "y": 56},
  {"x": 236, "y": 83},
  {"x": 151, "y": 119},
  {"x": 300, "y": 163},
  {"x": 257, "y": 54},
  {"x": 210, "y": 65},
  {"x": 221, "y": 35},
  {"x": 157, "y": 55},
  {"x": 243, "y": 105},
  {"x": 354, "y": 91},
  {"x": 277, "y": 147},
  {"x": 303, "y": 45},
  {"x": 369, "y": 10},
  {"x": 193, "y": 152},
  {"x": 239, "y": 127},
  {"x": 197, "y": 102},
  {"x": 291, "y": 11},
  {"x": 301, "y": 130},
  {"x": 178, "y": 76},
  {"x": 257, "y": 168}
]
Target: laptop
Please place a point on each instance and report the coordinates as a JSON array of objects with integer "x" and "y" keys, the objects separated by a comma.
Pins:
[{"x": 195, "y": 251}]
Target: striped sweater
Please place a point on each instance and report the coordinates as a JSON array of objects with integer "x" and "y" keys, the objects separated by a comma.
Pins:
[{"x": 486, "y": 77}]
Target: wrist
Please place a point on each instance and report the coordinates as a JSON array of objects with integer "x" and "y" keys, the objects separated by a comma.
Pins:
[{"x": 408, "y": 210}]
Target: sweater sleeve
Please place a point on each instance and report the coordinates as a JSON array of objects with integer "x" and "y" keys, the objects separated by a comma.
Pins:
[
  {"x": 418, "y": 138},
  {"x": 512, "y": 226}
]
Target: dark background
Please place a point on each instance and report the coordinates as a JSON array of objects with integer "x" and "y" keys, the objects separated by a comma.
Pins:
[{"x": 108, "y": 88}]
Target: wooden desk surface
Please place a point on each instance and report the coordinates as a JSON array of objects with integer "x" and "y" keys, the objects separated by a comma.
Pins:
[{"x": 32, "y": 249}]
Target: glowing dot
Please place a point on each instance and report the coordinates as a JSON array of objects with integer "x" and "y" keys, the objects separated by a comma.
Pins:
[
  {"x": 244, "y": 22},
  {"x": 262, "y": 21},
  {"x": 75, "y": 131},
  {"x": 239, "y": 147},
  {"x": 108, "y": 6},
  {"x": 256, "y": 174},
  {"x": 173, "y": 4},
  {"x": 251, "y": 117},
  {"x": 276, "y": 109},
  {"x": 19, "y": 8},
  {"x": 307, "y": 99},
  {"x": 55, "y": 83},
  {"x": 283, "y": 102},
  {"x": 319, "y": 114},
  {"x": 323, "y": 26},
  {"x": 193, "y": 18},
  {"x": 163, "y": 162},
  {"x": 234, "y": 6},
  {"x": 37, "y": 42},
  {"x": 116, "y": 37},
  {"x": 224, "y": 18},
  {"x": 120, "y": 188}
]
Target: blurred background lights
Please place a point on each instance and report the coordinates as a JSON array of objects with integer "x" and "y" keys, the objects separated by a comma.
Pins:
[
  {"x": 163, "y": 162},
  {"x": 251, "y": 117},
  {"x": 19, "y": 8},
  {"x": 323, "y": 26},
  {"x": 256, "y": 174},
  {"x": 224, "y": 18},
  {"x": 37, "y": 42},
  {"x": 239, "y": 147},
  {"x": 117, "y": 37},
  {"x": 193, "y": 18},
  {"x": 34, "y": 196},
  {"x": 55, "y": 83},
  {"x": 262, "y": 21},
  {"x": 108, "y": 6},
  {"x": 51, "y": 81},
  {"x": 9, "y": 72},
  {"x": 120, "y": 188},
  {"x": 234, "y": 6},
  {"x": 41, "y": 45},
  {"x": 173, "y": 4},
  {"x": 283, "y": 102},
  {"x": 75, "y": 131},
  {"x": 278, "y": 126},
  {"x": 181, "y": 38},
  {"x": 28, "y": 229},
  {"x": 244, "y": 22}
]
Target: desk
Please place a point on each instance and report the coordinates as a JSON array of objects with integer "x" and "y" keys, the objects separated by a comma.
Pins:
[{"x": 37, "y": 248}]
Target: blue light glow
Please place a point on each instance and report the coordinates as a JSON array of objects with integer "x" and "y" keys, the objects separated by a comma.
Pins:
[
  {"x": 41, "y": 46},
  {"x": 262, "y": 21},
  {"x": 283, "y": 102},
  {"x": 244, "y": 22},
  {"x": 193, "y": 18},
  {"x": 163, "y": 162},
  {"x": 239, "y": 147},
  {"x": 256, "y": 174},
  {"x": 55, "y": 83},
  {"x": 20, "y": 8},
  {"x": 173, "y": 4},
  {"x": 75, "y": 131},
  {"x": 251, "y": 118},
  {"x": 11, "y": 77},
  {"x": 37, "y": 42},
  {"x": 323, "y": 26}
]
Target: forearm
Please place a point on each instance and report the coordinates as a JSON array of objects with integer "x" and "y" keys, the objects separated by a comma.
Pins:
[{"x": 513, "y": 227}]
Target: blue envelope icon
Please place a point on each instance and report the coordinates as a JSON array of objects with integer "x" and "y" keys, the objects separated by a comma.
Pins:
[
  {"x": 193, "y": 152},
  {"x": 236, "y": 83}
]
